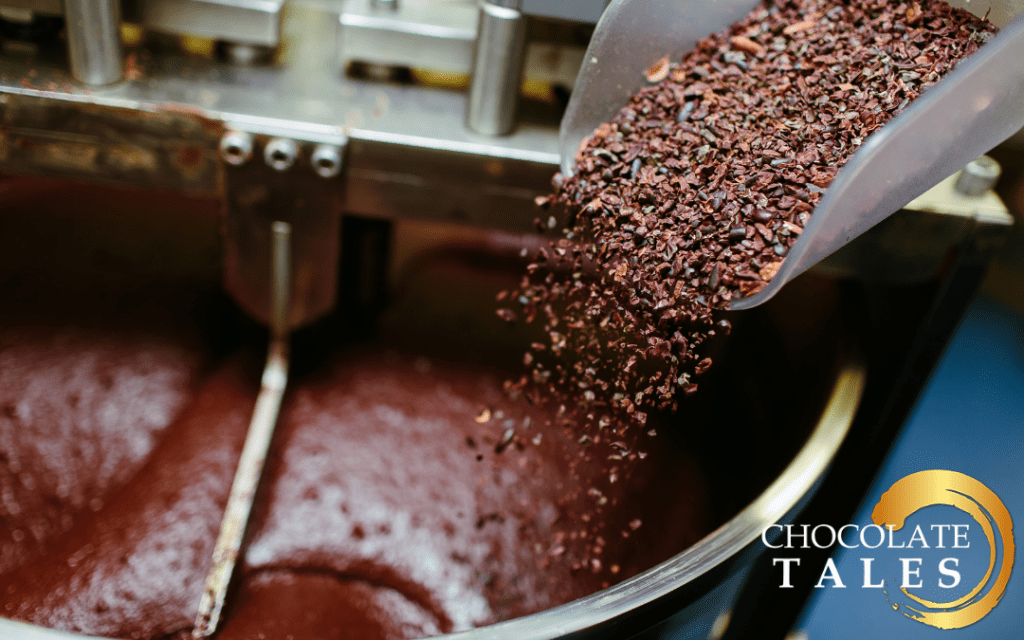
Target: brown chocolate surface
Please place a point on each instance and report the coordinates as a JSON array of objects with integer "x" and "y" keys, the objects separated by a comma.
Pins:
[
  {"x": 316, "y": 605},
  {"x": 102, "y": 341},
  {"x": 377, "y": 479},
  {"x": 405, "y": 495},
  {"x": 80, "y": 411},
  {"x": 134, "y": 568},
  {"x": 377, "y": 518}
]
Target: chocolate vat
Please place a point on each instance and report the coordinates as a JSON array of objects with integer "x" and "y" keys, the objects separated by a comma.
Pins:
[{"x": 786, "y": 447}]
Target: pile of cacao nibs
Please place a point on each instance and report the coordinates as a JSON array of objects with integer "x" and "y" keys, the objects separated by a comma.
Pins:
[{"x": 694, "y": 192}]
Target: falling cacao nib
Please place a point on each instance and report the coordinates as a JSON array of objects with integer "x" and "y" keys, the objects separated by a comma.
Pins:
[{"x": 693, "y": 193}]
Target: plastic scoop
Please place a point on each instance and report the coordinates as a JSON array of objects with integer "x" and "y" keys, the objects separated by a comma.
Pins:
[{"x": 968, "y": 112}]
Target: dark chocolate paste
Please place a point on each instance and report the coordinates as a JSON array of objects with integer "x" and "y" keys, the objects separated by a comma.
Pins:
[
  {"x": 377, "y": 518},
  {"x": 405, "y": 495}
]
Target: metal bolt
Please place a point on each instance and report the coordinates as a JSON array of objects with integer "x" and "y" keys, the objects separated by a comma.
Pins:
[
  {"x": 280, "y": 153},
  {"x": 978, "y": 177},
  {"x": 236, "y": 147},
  {"x": 326, "y": 160},
  {"x": 242, "y": 54}
]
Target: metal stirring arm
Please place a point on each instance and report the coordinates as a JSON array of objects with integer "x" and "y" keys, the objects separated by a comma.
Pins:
[{"x": 257, "y": 443}]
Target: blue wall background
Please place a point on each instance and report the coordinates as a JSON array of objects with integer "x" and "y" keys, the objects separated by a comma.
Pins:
[{"x": 970, "y": 419}]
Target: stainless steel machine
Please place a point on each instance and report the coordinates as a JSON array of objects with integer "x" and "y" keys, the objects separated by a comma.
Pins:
[
  {"x": 338, "y": 118},
  {"x": 291, "y": 115}
]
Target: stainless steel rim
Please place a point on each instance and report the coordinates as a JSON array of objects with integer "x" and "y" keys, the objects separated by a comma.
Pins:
[{"x": 778, "y": 500}]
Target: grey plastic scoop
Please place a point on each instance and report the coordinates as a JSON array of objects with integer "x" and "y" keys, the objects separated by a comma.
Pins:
[{"x": 971, "y": 110}]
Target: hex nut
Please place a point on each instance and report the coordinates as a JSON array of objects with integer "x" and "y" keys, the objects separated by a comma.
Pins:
[
  {"x": 326, "y": 160},
  {"x": 978, "y": 177},
  {"x": 241, "y": 54},
  {"x": 236, "y": 147},
  {"x": 281, "y": 153}
]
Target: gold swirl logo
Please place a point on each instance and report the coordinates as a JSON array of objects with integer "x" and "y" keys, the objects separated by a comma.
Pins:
[{"x": 926, "y": 488}]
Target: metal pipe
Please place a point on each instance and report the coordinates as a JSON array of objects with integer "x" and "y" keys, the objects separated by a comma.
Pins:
[
  {"x": 257, "y": 442},
  {"x": 94, "y": 40},
  {"x": 497, "y": 68}
]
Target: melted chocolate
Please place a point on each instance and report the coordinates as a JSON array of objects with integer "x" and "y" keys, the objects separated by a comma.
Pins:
[
  {"x": 79, "y": 414},
  {"x": 134, "y": 569},
  {"x": 315, "y": 605},
  {"x": 404, "y": 496},
  {"x": 377, "y": 518}
]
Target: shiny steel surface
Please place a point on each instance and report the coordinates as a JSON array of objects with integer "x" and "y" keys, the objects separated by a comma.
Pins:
[
  {"x": 978, "y": 177},
  {"x": 262, "y": 192},
  {"x": 327, "y": 160},
  {"x": 415, "y": 33},
  {"x": 440, "y": 37},
  {"x": 243, "y": 21},
  {"x": 579, "y": 10},
  {"x": 94, "y": 40},
  {"x": 236, "y": 147},
  {"x": 410, "y": 153},
  {"x": 497, "y": 69}
]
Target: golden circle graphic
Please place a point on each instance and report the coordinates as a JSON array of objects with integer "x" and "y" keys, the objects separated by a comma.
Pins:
[{"x": 927, "y": 488}]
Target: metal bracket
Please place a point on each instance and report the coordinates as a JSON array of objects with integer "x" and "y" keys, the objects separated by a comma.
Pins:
[{"x": 292, "y": 181}]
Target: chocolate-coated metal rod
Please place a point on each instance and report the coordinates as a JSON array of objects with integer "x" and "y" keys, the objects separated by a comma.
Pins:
[{"x": 257, "y": 442}]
